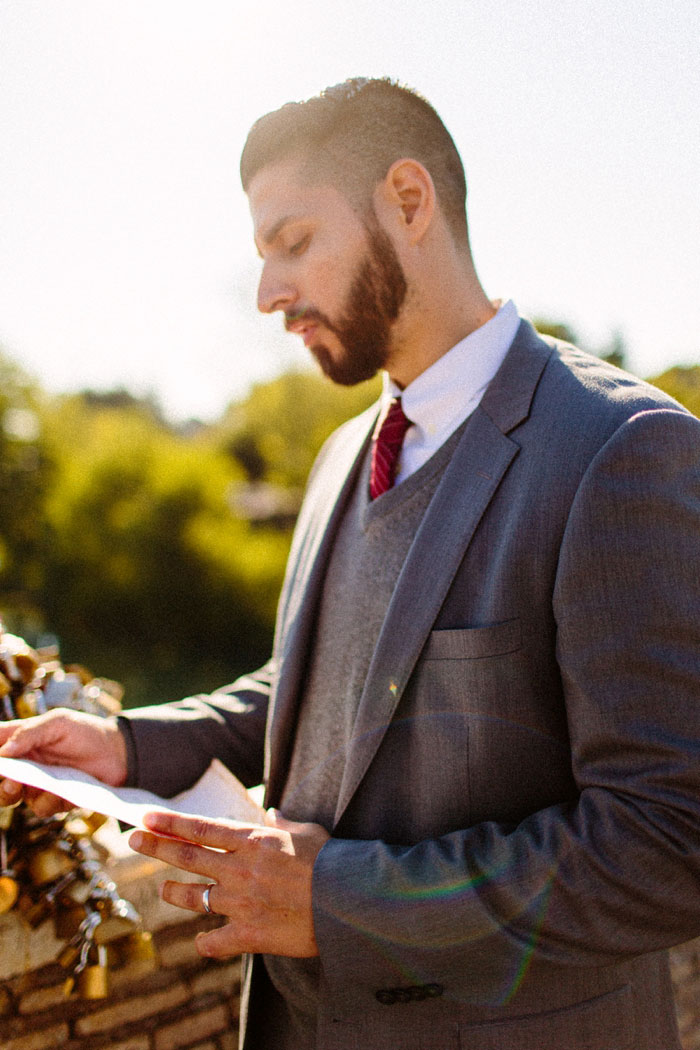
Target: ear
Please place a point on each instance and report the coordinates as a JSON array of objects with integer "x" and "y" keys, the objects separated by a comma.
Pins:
[{"x": 408, "y": 194}]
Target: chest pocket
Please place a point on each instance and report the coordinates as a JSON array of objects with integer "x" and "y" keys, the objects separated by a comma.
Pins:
[{"x": 474, "y": 643}]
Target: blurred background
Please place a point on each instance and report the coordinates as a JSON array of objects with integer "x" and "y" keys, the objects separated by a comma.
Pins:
[{"x": 155, "y": 433}]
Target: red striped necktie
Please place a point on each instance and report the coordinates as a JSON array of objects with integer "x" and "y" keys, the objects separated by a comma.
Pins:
[{"x": 386, "y": 446}]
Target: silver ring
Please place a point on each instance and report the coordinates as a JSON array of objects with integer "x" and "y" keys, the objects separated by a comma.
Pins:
[{"x": 205, "y": 899}]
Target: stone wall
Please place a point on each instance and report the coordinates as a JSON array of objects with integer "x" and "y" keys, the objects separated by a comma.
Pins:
[{"x": 188, "y": 1003}]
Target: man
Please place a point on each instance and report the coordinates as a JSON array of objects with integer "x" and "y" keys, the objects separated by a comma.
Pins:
[{"x": 479, "y": 725}]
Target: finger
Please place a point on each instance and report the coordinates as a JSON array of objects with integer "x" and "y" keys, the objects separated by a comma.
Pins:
[
  {"x": 187, "y": 856},
  {"x": 190, "y": 895},
  {"x": 44, "y": 804},
  {"x": 225, "y": 941},
  {"x": 10, "y": 793},
  {"x": 217, "y": 834},
  {"x": 26, "y": 735},
  {"x": 7, "y": 729}
]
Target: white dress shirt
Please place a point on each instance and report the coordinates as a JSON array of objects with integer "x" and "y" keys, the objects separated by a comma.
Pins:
[{"x": 442, "y": 397}]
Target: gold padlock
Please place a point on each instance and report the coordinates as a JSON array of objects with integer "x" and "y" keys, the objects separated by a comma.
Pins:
[
  {"x": 94, "y": 821},
  {"x": 7, "y": 815},
  {"x": 93, "y": 981},
  {"x": 112, "y": 928},
  {"x": 138, "y": 953},
  {"x": 26, "y": 705},
  {"x": 47, "y": 865},
  {"x": 69, "y": 955},
  {"x": 9, "y": 892},
  {"x": 120, "y": 919},
  {"x": 27, "y": 663}
]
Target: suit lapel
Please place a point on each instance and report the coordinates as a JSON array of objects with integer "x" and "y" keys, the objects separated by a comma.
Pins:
[
  {"x": 323, "y": 509},
  {"x": 473, "y": 475}
]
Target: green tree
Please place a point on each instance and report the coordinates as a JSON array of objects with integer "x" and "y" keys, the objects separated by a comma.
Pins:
[
  {"x": 683, "y": 383},
  {"x": 279, "y": 428},
  {"x": 150, "y": 579},
  {"x": 25, "y": 473}
]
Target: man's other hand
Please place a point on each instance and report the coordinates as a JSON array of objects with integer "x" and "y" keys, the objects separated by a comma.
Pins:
[{"x": 62, "y": 738}]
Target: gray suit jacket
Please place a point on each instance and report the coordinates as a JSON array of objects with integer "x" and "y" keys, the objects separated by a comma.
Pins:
[{"x": 516, "y": 838}]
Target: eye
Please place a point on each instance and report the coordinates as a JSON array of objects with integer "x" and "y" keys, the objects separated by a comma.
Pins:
[{"x": 298, "y": 247}]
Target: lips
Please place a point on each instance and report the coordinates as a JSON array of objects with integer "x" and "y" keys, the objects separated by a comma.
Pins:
[{"x": 304, "y": 327}]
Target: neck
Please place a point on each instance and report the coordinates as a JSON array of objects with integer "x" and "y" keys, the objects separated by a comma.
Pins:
[{"x": 445, "y": 306}]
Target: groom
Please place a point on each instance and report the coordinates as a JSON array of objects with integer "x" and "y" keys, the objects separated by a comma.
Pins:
[{"x": 479, "y": 725}]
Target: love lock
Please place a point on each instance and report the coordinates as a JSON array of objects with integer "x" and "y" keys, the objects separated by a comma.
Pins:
[{"x": 93, "y": 981}]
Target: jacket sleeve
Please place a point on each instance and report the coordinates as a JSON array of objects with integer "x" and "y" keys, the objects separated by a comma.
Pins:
[
  {"x": 615, "y": 873},
  {"x": 169, "y": 746}
]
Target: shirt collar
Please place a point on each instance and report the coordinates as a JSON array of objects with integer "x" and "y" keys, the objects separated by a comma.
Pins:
[{"x": 442, "y": 396}]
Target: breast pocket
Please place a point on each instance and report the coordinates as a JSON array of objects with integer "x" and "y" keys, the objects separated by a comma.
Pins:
[
  {"x": 474, "y": 643},
  {"x": 514, "y": 757}
]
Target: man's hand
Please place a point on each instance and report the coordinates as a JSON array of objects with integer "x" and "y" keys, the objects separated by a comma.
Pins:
[
  {"x": 62, "y": 738},
  {"x": 262, "y": 879}
]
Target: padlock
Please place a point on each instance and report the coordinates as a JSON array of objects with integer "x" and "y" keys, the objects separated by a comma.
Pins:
[
  {"x": 26, "y": 705},
  {"x": 138, "y": 952},
  {"x": 48, "y": 864},
  {"x": 7, "y": 815},
  {"x": 118, "y": 919},
  {"x": 94, "y": 821},
  {"x": 9, "y": 892},
  {"x": 93, "y": 981},
  {"x": 69, "y": 954}
]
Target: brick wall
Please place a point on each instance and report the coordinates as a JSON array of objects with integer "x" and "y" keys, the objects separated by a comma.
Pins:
[{"x": 188, "y": 1003}]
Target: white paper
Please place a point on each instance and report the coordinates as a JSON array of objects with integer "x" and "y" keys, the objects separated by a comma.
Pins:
[{"x": 217, "y": 794}]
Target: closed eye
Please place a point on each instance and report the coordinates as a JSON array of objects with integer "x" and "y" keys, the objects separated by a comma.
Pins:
[{"x": 298, "y": 247}]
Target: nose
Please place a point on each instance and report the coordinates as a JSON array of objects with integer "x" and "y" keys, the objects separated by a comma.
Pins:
[{"x": 275, "y": 292}]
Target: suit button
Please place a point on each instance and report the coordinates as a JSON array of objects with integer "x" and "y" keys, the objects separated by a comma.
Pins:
[
  {"x": 386, "y": 996},
  {"x": 432, "y": 991}
]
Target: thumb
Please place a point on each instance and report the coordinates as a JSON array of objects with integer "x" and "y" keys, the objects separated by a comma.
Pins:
[
  {"x": 7, "y": 729},
  {"x": 11, "y": 741},
  {"x": 19, "y": 738}
]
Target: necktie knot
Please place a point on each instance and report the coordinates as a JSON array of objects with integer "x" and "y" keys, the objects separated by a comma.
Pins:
[{"x": 386, "y": 446}]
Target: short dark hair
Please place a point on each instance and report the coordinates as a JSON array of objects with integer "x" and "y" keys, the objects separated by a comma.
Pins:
[{"x": 353, "y": 132}]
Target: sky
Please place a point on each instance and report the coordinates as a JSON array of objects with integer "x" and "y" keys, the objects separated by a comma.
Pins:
[{"x": 126, "y": 255}]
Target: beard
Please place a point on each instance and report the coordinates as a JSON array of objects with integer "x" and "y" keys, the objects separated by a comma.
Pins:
[{"x": 376, "y": 295}]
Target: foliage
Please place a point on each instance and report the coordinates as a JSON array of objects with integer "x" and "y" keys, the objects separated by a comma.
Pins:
[
  {"x": 25, "y": 473},
  {"x": 150, "y": 578},
  {"x": 277, "y": 431},
  {"x": 615, "y": 352},
  {"x": 683, "y": 383}
]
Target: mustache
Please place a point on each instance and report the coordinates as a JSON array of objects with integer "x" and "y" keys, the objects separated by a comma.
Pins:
[{"x": 307, "y": 313}]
